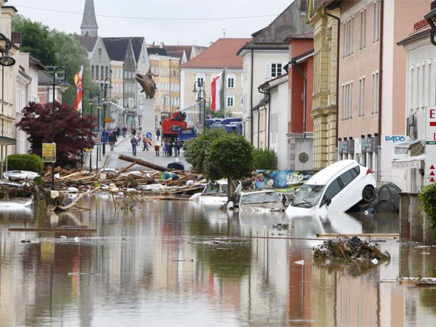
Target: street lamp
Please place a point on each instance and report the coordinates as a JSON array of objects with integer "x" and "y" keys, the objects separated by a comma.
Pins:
[
  {"x": 201, "y": 98},
  {"x": 5, "y": 59},
  {"x": 91, "y": 103},
  {"x": 104, "y": 110},
  {"x": 61, "y": 81},
  {"x": 431, "y": 20}
]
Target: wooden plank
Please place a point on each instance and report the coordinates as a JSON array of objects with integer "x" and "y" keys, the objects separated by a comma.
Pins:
[
  {"x": 126, "y": 168},
  {"x": 75, "y": 229},
  {"x": 375, "y": 235},
  {"x": 143, "y": 163}
]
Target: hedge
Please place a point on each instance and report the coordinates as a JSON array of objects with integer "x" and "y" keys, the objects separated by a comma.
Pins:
[{"x": 30, "y": 162}]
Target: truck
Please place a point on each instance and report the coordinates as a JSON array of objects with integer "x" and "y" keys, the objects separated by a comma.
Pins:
[{"x": 172, "y": 125}]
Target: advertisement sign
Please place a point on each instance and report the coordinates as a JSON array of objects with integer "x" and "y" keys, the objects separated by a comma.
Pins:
[
  {"x": 430, "y": 146},
  {"x": 48, "y": 152}
]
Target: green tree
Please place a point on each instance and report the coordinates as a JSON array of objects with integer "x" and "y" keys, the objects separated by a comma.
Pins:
[
  {"x": 264, "y": 159},
  {"x": 196, "y": 148},
  {"x": 231, "y": 157},
  {"x": 36, "y": 39},
  {"x": 54, "y": 48}
]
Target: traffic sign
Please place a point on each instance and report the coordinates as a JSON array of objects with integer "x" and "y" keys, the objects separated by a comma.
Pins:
[
  {"x": 148, "y": 135},
  {"x": 108, "y": 120}
]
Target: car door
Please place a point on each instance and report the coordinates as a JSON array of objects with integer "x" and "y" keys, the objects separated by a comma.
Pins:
[
  {"x": 351, "y": 192},
  {"x": 331, "y": 198}
]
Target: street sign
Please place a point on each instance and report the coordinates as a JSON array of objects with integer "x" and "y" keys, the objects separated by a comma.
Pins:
[
  {"x": 148, "y": 135},
  {"x": 48, "y": 152},
  {"x": 107, "y": 120},
  {"x": 430, "y": 146}
]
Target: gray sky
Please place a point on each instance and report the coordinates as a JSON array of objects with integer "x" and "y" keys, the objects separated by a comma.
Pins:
[{"x": 202, "y": 21}]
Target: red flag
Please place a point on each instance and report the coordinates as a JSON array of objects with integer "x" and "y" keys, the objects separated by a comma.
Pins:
[
  {"x": 217, "y": 84},
  {"x": 79, "y": 87}
]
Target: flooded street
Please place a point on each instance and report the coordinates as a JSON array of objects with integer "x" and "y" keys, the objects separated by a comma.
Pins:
[{"x": 179, "y": 263}]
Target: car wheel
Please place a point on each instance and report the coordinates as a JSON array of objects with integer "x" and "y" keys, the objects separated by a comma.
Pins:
[{"x": 368, "y": 194}]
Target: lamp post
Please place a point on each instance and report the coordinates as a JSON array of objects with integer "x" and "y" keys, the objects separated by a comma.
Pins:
[
  {"x": 91, "y": 103},
  {"x": 83, "y": 108},
  {"x": 104, "y": 110},
  {"x": 64, "y": 86},
  {"x": 201, "y": 97},
  {"x": 5, "y": 61}
]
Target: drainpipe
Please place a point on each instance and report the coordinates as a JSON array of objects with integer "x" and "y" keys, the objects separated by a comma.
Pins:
[
  {"x": 337, "y": 72},
  {"x": 298, "y": 68},
  {"x": 251, "y": 96},
  {"x": 266, "y": 95}
]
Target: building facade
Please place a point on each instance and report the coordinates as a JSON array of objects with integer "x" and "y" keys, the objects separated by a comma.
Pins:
[{"x": 324, "y": 99}]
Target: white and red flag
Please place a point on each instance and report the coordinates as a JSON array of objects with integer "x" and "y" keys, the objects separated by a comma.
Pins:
[
  {"x": 79, "y": 86},
  {"x": 216, "y": 88}
]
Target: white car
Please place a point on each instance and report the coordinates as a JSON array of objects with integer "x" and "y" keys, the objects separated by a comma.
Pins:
[
  {"x": 335, "y": 188},
  {"x": 260, "y": 201},
  {"x": 14, "y": 175},
  {"x": 214, "y": 193}
]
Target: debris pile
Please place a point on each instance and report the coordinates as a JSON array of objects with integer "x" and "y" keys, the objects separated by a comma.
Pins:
[
  {"x": 158, "y": 180},
  {"x": 352, "y": 250}
]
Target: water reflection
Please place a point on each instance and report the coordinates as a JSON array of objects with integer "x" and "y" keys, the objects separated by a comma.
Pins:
[{"x": 175, "y": 263}]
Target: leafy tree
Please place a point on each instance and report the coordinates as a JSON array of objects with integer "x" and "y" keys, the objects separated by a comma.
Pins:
[
  {"x": 265, "y": 159},
  {"x": 195, "y": 149},
  {"x": 54, "y": 48},
  {"x": 36, "y": 39},
  {"x": 231, "y": 157},
  {"x": 72, "y": 132}
]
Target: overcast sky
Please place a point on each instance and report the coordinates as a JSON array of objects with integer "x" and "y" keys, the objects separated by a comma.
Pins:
[{"x": 181, "y": 22}]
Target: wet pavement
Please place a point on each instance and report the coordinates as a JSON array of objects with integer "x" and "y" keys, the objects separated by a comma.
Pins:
[{"x": 179, "y": 263}]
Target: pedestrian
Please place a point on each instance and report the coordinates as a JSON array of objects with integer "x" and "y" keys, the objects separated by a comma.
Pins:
[
  {"x": 177, "y": 146},
  {"x": 112, "y": 140},
  {"x": 118, "y": 131},
  {"x": 134, "y": 143},
  {"x": 170, "y": 148},
  {"x": 138, "y": 138},
  {"x": 157, "y": 148},
  {"x": 145, "y": 143},
  {"x": 124, "y": 131},
  {"x": 157, "y": 134},
  {"x": 133, "y": 131},
  {"x": 165, "y": 148}
]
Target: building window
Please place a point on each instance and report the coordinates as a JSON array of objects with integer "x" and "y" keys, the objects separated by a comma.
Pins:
[
  {"x": 363, "y": 29},
  {"x": 107, "y": 72},
  {"x": 130, "y": 103},
  {"x": 230, "y": 101},
  {"x": 200, "y": 79},
  {"x": 347, "y": 101},
  {"x": 376, "y": 31},
  {"x": 231, "y": 81},
  {"x": 348, "y": 47},
  {"x": 362, "y": 96},
  {"x": 375, "y": 92},
  {"x": 276, "y": 69}
]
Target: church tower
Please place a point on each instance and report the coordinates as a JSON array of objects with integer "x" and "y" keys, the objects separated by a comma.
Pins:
[{"x": 89, "y": 25}]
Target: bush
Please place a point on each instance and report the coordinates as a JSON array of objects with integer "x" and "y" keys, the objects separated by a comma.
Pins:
[
  {"x": 31, "y": 162},
  {"x": 265, "y": 159},
  {"x": 428, "y": 203}
]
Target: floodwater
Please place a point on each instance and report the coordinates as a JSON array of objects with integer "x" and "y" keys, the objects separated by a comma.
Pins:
[{"x": 178, "y": 263}]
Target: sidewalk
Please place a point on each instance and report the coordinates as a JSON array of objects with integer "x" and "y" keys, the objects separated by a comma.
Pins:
[{"x": 91, "y": 157}]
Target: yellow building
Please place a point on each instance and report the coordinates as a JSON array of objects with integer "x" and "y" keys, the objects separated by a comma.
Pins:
[
  {"x": 324, "y": 99},
  {"x": 167, "y": 79}
]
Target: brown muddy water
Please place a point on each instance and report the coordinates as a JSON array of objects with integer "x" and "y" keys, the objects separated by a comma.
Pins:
[{"x": 176, "y": 263}]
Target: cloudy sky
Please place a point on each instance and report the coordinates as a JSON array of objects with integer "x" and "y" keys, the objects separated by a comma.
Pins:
[{"x": 170, "y": 21}]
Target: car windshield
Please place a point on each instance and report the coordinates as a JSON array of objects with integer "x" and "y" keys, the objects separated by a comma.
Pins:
[
  {"x": 308, "y": 196},
  {"x": 261, "y": 197},
  {"x": 215, "y": 188}
]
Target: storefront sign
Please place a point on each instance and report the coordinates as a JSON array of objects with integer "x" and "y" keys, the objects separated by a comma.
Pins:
[
  {"x": 430, "y": 146},
  {"x": 48, "y": 152}
]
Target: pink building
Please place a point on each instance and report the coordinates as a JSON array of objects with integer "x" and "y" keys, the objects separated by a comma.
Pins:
[{"x": 372, "y": 79}]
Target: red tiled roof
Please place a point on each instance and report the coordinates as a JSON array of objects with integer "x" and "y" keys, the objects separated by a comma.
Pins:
[{"x": 221, "y": 54}]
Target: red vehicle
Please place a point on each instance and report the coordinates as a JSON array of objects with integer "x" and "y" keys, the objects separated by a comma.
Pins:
[{"x": 173, "y": 124}]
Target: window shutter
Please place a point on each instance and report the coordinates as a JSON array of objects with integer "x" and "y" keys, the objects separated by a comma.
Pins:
[{"x": 268, "y": 70}]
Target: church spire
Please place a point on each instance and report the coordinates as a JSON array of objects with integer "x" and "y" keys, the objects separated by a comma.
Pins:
[{"x": 89, "y": 25}]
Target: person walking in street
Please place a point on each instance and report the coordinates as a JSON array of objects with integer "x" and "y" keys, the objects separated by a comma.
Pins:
[
  {"x": 170, "y": 148},
  {"x": 165, "y": 148},
  {"x": 157, "y": 134},
  {"x": 177, "y": 146},
  {"x": 112, "y": 140},
  {"x": 157, "y": 148},
  {"x": 145, "y": 143},
  {"x": 134, "y": 143},
  {"x": 133, "y": 131},
  {"x": 124, "y": 131}
]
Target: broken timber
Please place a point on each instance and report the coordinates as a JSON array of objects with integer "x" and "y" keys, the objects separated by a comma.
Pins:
[{"x": 144, "y": 163}]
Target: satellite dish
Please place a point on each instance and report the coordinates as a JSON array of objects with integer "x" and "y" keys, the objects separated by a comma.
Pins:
[{"x": 303, "y": 157}]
